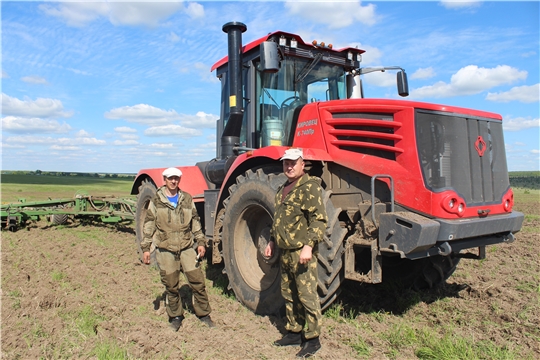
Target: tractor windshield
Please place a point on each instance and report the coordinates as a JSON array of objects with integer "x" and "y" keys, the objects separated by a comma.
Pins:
[{"x": 298, "y": 82}]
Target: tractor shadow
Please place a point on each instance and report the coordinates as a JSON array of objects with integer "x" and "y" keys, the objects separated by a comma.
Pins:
[
  {"x": 389, "y": 297},
  {"x": 356, "y": 298}
]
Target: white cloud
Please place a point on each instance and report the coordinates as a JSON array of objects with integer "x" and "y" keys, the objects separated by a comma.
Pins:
[
  {"x": 142, "y": 13},
  {"x": 210, "y": 145},
  {"x": 79, "y": 14},
  {"x": 195, "y": 11},
  {"x": 78, "y": 72},
  {"x": 460, "y": 4},
  {"x": 4, "y": 75},
  {"x": 382, "y": 79},
  {"x": 34, "y": 79},
  {"x": 162, "y": 146},
  {"x": 9, "y": 146},
  {"x": 200, "y": 120},
  {"x": 520, "y": 123},
  {"x": 23, "y": 125},
  {"x": 76, "y": 13},
  {"x": 202, "y": 70},
  {"x": 471, "y": 80},
  {"x": 65, "y": 148},
  {"x": 535, "y": 151},
  {"x": 172, "y": 130},
  {"x": 125, "y": 142},
  {"x": 423, "y": 73},
  {"x": 528, "y": 54},
  {"x": 143, "y": 114},
  {"x": 82, "y": 133},
  {"x": 124, "y": 129},
  {"x": 64, "y": 141},
  {"x": 129, "y": 136},
  {"x": 41, "y": 107},
  {"x": 372, "y": 55},
  {"x": 333, "y": 15},
  {"x": 524, "y": 94},
  {"x": 173, "y": 37}
]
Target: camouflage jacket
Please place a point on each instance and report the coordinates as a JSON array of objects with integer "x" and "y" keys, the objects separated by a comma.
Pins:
[
  {"x": 301, "y": 218},
  {"x": 172, "y": 228}
]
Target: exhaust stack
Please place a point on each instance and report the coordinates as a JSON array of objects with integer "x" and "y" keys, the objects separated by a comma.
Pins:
[
  {"x": 216, "y": 170},
  {"x": 231, "y": 133}
]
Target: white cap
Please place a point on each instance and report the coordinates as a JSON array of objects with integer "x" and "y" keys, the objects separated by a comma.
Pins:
[
  {"x": 292, "y": 154},
  {"x": 172, "y": 171}
]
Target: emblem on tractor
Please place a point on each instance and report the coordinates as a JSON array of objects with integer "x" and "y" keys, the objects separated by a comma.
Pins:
[{"x": 480, "y": 146}]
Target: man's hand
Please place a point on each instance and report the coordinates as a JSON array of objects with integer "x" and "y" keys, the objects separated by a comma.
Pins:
[
  {"x": 305, "y": 254},
  {"x": 201, "y": 250},
  {"x": 269, "y": 250},
  {"x": 146, "y": 257}
]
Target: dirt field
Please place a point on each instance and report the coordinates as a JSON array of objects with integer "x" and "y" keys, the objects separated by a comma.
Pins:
[{"x": 80, "y": 292}]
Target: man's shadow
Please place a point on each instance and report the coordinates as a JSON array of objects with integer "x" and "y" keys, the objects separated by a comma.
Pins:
[{"x": 185, "y": 294}]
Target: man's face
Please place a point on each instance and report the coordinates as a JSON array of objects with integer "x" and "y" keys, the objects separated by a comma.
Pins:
[
  {"x": 172, "y": 182},
  {"x": 293, "y": 169}
]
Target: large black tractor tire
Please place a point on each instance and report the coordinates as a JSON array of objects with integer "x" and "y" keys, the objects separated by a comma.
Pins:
[
  {"x": 247, "y": 221},
  {"x": 330, "y": 256},
  {"x": 420, "y": 274},
  {"x": 147, "y": 190}
]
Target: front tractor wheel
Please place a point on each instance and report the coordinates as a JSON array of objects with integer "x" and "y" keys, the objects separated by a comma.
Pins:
[
  {"x": 247, "y": 221},
  {"x": 147, "y": 190}
]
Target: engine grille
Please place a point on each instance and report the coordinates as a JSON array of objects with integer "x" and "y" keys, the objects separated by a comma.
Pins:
[{"x": 365, "y": 133}]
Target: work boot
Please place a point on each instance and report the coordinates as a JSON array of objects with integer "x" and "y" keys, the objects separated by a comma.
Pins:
[
  {"x": 207, "y": 320},
  {"x": 289, "y": 339},
  {"x": 176, "y": 322},
  {"x": 309, "y": 348}
]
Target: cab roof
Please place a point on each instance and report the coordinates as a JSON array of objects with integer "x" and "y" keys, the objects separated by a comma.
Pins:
[{"x": 257, "y": 42}]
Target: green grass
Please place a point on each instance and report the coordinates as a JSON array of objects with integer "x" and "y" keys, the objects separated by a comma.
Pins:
[
  {"x": 451, "y": 346},
  {"x": 58, "y": 276},
  {"x": 109, "y": 350},
  {"x": 360, "y": 346},
  {"x": 87, "y": 321}
]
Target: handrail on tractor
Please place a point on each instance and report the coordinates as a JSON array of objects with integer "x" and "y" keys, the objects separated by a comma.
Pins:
[{"x": 373, "y": 194}]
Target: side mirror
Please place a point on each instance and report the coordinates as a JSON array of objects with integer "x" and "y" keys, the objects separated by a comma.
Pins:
[
  {"x": 269, "y": 57},
  {"x": 402, "y": 84}
]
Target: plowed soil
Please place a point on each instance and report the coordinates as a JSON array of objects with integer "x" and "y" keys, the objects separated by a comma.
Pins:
[{"x": 80, "y": 291}]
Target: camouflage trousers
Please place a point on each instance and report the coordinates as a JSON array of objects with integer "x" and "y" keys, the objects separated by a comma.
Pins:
[
  {"x": 299, "y": 289},
  {"x": 170, "y": 265}
]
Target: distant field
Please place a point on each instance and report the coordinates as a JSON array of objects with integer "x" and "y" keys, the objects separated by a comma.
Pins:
[{"x": 34, "y": 187}]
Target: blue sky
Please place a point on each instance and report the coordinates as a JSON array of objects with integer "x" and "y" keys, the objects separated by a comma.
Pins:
[{"x": 120, "y": 86}]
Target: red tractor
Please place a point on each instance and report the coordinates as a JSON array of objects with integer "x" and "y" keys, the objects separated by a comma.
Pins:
[{"x": 408, "y": 186}]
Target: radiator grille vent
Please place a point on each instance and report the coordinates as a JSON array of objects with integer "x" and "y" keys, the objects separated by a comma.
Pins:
[{"x": 365, "y": 133}]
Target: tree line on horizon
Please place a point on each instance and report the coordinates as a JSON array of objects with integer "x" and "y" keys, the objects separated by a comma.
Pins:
[{"x": 67, "y": 173}]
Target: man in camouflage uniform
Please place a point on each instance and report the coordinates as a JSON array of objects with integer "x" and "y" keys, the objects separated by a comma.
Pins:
[
  {"x": 299, "y": 225},
  {"x": 171, "y": 223}
]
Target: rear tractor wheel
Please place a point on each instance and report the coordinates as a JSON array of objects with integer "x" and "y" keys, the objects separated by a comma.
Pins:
[
  {"x": 254, "y": 278},
  {"x": 249, "y": 210},
  {"x": 147, "y": 190}
]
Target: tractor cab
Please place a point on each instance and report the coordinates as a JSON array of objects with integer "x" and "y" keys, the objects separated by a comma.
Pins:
[
  {"x": 279, "y": 74},
  {"x": 266, "y": 83}
]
